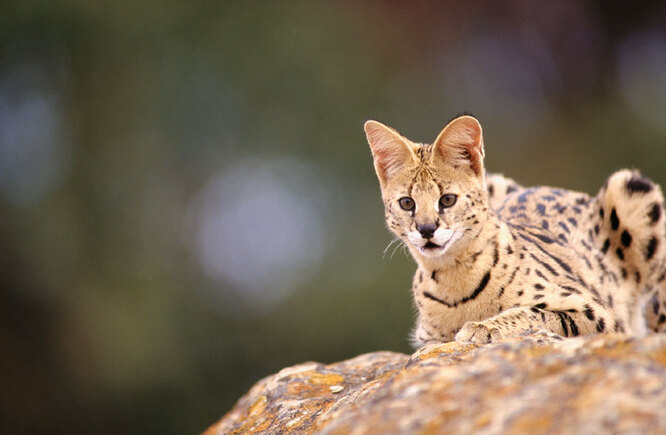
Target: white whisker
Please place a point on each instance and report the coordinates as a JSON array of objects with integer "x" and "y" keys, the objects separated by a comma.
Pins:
[
  {"x": 395, "y": 239},
  {"x": 402, "y": 246},
  {"x": 404, "y": 250}
]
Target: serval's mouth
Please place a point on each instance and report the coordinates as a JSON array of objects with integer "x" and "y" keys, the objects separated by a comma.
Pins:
[{"x": 433, "y": 249}]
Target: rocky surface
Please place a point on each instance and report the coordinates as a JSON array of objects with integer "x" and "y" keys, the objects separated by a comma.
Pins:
[{"x": 533, "y": 384}]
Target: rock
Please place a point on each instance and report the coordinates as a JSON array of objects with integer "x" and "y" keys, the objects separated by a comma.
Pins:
[{"x": 532, "y": 384}]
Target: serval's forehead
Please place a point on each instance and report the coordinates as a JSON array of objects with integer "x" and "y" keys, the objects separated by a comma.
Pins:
[
  {"x": 425, "y": 182},
  {"x": 438, "y": 178},
  {"x": 423, "y": 152}
]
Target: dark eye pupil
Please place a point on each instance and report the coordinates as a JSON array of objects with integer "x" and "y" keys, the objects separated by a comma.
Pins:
[
  {"x": 447, "y": 200},
  {"x": 406, "y": 203}
]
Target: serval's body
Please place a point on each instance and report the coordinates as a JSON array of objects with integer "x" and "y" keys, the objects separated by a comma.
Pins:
[{"x": 496, "y": 259}]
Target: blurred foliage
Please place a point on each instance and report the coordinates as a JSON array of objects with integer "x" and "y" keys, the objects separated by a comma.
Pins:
[{"x": 114, "y": 116}]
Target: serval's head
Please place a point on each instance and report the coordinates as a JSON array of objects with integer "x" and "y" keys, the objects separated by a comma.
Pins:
[{"x": 435, "y": 195}]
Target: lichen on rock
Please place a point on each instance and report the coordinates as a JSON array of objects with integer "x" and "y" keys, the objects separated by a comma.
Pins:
[{"x": 531, "y": 384}]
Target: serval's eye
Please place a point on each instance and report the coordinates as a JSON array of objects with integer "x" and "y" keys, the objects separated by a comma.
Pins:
[
  {"x": 406, "y": 203},
  {"x": 447, "y": 200}
]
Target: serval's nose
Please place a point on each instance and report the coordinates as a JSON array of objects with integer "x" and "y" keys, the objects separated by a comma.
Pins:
[{"x": 426, "y": 230}]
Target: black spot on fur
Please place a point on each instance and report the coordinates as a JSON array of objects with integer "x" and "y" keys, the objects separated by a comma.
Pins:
[
  {"x": 604, "y": 248},
  {"x": 522, "y": 198},
  {"x": 520, "y": 292},
  {"x": 610, "y": 301},
  {"x": 563, "y": 323},
  {"x": 541, "y": 209},
  {"x": 615, "y": 222},
  {"x": 538, "y": 286},
  {"x": 651, "y": 248},
  {"x": 637, "y": 274},
  {"x": 572, "y": 325},
  {"x": 482, "y": 285},
  {"x": 510, "y": 189},
  {"x": 619, "y": 253},
  {"x": 639, "y": 184},
  {"x": 589, "y": 312},
  {"x": 626, "y": 238},
  {"x": 619, "y": 327},
  {"x": 491, "y": 189},
  {"x": 624, "y": 273},
  {"x": 543, "y": 238},
  {"x": 601, "y": 325},
  {"x": 544, "y": 264},
  {"x": 655, "y": 213},
  {"x": 601, "y": 212},
  {"x": 662, "y": 318},
  {"x": 596, "y": 229},
  {"x": 433, "y": 276},
  {"x": 538, "y": 296},
  {"x": 541, "y": 306}
]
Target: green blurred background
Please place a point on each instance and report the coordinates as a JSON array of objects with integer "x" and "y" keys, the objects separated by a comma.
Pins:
[{"x": 188, "y": 204}]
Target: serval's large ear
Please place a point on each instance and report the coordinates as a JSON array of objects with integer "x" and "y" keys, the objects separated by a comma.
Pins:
[
  {"x": 390, "y": 150},
  {"x": 461, "y": 143}
]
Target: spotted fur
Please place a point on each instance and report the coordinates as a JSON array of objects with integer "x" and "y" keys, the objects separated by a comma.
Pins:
[{"x": 504, "y": 259}]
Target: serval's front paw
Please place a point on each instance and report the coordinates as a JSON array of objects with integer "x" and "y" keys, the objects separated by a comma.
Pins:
[{"x": 478, "y": 333}]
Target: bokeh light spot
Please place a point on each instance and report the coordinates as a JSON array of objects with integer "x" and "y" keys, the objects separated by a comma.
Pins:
[{"x": 260, "y": 226}]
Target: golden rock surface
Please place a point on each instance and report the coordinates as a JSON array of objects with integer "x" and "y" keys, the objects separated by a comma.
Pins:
[{"x": 534, "y": 384}]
